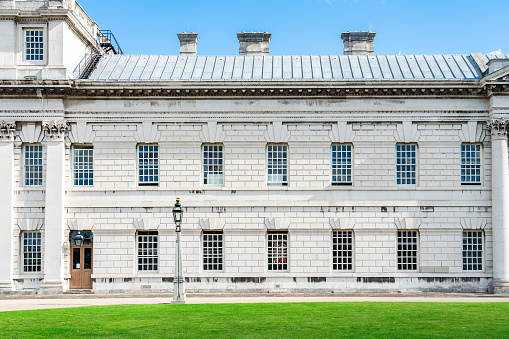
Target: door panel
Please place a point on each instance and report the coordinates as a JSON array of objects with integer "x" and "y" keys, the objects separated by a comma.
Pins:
[{"x": 81, "y": 267}]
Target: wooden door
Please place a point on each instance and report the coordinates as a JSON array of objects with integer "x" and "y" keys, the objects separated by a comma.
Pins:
[{"x": 81, "y": 267}]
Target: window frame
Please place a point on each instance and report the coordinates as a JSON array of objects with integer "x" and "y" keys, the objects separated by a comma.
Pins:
[
  {"x": 22, "y": 28},
  {"x": 89, "y": 171},
  {"x": 147, "y": 233},
  {"x": 155, "y": 169},
  {"x": 285, "y": 167},
  {"x": 340, "y": 183},
  {"x": 351, "y": 236},
  {"x": 24, "y": 253},
  {"x": 482, "y": 251},
  {"x": 205, "y": 256},
  {"x": 284, "y": 255},
  {"x": 416, "y": 165},
  {"x": 203, "y": 165},
  {"x": 481, "y": 164},
  {"x": 25, "y": 184},
  {"x": 417, "y": 251}
]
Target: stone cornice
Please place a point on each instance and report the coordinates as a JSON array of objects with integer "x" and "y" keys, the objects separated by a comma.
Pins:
[{"x": 245, "y": 89}]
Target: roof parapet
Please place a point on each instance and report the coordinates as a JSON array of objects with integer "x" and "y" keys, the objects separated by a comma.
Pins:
[
  {"x": 254, "y": 43},
  {"x": 188, "y": 43},
  {"x": 358, "y": 43}
]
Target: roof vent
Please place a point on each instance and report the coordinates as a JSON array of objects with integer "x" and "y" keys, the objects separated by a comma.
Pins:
[
  {"x": 254, "y": 43},
  {"x": 188, "y": 42},
  {"x": 358, "y": 43}
]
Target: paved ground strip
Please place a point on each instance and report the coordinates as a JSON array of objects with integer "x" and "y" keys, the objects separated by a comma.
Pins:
[{"x": 33, "y": 302}]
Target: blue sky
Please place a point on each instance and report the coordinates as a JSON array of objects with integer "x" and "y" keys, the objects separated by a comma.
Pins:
[{"x": 307, "y": 26}]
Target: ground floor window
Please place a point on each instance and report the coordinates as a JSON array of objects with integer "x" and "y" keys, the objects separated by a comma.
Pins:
[
  {"x": 277, "y": 247},
  {"x": 148, "y": 254},
  {"x": 342, "y": 250},
  {"x": 32, "y": 255},
  {"x": 472, "y": 250},
  {"x": 407, "y": 250},
  {"x": 212, "y": 250}
]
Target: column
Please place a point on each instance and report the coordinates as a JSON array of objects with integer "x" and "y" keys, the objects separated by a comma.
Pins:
[
  {"x": 54, "y": 216},
  {"x": 500, "y": 204},
  {"x": 6, "y": 205}
]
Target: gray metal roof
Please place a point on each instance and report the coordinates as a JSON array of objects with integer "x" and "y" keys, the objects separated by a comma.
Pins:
[{"x": 285, "y": 68}]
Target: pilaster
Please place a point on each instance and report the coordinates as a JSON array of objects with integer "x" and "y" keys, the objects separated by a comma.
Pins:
[
  {"x": 500, "y": 204},
  {"x": 54, "y": 207},
  {"x": 7, "y": 130}
]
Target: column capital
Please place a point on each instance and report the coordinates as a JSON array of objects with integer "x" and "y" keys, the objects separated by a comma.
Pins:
[
  {"x": 55, "y": 130},
  {"x": 7, "y": 130},
  {"x": 499, "y": 128}
]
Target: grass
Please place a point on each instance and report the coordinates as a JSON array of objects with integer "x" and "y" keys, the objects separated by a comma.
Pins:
[{"x": 274, "y": 320}]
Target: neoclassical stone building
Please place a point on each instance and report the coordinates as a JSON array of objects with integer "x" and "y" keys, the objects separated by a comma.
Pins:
[{"x": 354, "y": 172}]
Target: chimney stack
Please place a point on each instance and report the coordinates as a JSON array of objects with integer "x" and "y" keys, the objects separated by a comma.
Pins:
[
  {"x": 188, "y": 43},
  {"x": 358, "y": 43},
  {"x": 254, "y": 43}
]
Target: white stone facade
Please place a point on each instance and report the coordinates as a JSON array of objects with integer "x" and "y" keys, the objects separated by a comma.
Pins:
[{"x": 308, "y": 117}]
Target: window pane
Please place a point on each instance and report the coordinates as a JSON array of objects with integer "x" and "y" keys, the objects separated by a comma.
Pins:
[
  {"x": 277, "y": 247},
  {"x": 342, "y": 250},
  {"x": 471, "y": 164},
  {"x": 277, "y": 165},
  {"x": 83, "y": 165},
  {"x": 212, "y": 251},
  {"x": 341, "y": 164},
  {"x": 148, "y": 256},
  {"x": 33, "y": 165},
  {"x": 406, "y": 163},
  {"x": 34, "y": 44},
  {"x": 472, "y": 250},
  {"x": 148, "y": 164},
  {"x": 407, "y": 250},
  {"x": 213, "y": 164}
]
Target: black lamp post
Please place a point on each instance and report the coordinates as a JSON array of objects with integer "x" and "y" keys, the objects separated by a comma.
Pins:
[{"x": 179, "y": 295}]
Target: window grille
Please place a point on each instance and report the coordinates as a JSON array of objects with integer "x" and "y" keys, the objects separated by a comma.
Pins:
[
  {"x": 342, "y": 250},
  {"x": 472, "y": 250},
  {"x": 33, "y": 165},
  {"x": 471, "y": 164},
  {"x": 83, "y": 165},
  {"x": 406, "y": 164},
  {"x": 34, "y": 45},
  {"x": 32, "y": 252},
  {"x": 407, "y": 250},
  {"x": 148, "y": 254},
  {"x": 277, "y": 165},
  {"x": 212, "y": 251},
  {"x": 341, "y": 164},
  {"x": 212, "y": 164},
  {"x": 277, "y": 246},
  {"x": 148, "y": 165}
]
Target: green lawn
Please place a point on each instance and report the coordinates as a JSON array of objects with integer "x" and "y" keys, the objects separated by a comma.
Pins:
[{"x": 282, "y": 320}]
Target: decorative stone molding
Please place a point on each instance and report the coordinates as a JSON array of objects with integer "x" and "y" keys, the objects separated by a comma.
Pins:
[
  {"x": 147, "y": 132},
  {"x": 471, "y": 132},
  {"x": 7, "y": 130},
  {"x": 31, "y": 133},
  {"x": 498, "y": 128},
  {"x": 80, "y": 224},
  {"x": 342, "y": 223},
  {"x": 473, "y": 223},
  {"x": 81, "y": 133},
  {"x": 147, "y": 223},
  {"x": 277, "y": 223},
  {"x": 55, "y": 130},
  {"x": 407, "y": 223},
  {"x": 406, "y": 132},
  {"x": 212, "y": 223},
  {"x": 341, "y": 132},
  {"x": 277, "y": 132},
  {"x": 212, "y": 133},
  {"x": 31, "y": 224}
]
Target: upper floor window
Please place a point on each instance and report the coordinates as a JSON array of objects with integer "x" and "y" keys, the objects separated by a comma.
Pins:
[
  {"x": 83, "y": 165},
  {"x": 213, "y": 164},
  {"x": 34, "y": 44},
  {"x": 32, "y": 156},
  {"x": 406, "y": 164},
  {"x": 148, "y": 165},
  {"x": 341, "y": 164},
  {"x": 470, "y": 164},
  {"x": 277, "y": 165}
]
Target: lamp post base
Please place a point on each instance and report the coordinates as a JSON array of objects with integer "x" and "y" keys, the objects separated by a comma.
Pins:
[{"x": 178, "y": 301}]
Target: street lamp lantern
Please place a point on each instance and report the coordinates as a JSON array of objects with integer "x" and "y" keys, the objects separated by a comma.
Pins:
[
  {"x": 177, "y": 214},
  {"x": 179, "y": 295}
]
